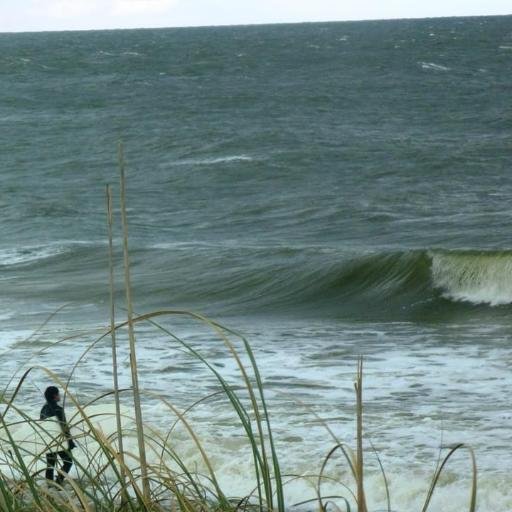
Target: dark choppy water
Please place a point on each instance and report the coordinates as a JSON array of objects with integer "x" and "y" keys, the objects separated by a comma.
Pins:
[{"x": 330, "y": 189}]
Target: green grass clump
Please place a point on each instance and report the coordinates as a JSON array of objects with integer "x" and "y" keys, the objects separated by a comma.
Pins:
[{"x": 109, "y": 480}]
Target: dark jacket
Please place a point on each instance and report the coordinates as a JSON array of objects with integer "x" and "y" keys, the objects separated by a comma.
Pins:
[{"x": 51, "y": 409}]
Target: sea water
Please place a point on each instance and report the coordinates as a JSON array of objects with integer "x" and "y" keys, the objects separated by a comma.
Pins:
[{"x": 329, "y": 190}]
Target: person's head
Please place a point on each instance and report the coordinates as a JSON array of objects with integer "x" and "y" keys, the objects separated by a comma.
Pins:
[{"x": 52, "y": 394}]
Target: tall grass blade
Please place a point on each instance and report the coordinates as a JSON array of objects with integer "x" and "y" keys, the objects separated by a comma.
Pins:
[
  {"x": 113, "y": 332},
  {"x": 435, "y": 480},
  {"x": 361, "y": 499},
  {"x": 133, "y": 354}
]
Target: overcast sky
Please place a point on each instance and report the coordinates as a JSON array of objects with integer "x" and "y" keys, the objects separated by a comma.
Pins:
[{"x": 24, "y": 15}]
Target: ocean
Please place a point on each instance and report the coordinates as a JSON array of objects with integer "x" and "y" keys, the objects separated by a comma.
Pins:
[{"x": 328, "y": 189}]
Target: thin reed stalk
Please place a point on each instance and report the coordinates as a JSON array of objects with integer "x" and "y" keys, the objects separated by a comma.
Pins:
[
  {"x": 113, "y": 332},
  {"x": 361, "y": 499},
  {"x": 131, "y": 334}
]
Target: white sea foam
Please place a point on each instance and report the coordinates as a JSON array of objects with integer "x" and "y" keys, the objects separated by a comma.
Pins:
[
  {"x": 24, "y": 255},
  {"x": 215, "y": 160},
  {"x": 406, "y": 392},
  {"x": 231, "y": 459},
  {"x": 5, "y": 314},
  {"x": 476, "y": 278},
  {"x": 9, "y": 339},
  {"x": 29, "y": 253},
  {"x": 433, "y": 66}
]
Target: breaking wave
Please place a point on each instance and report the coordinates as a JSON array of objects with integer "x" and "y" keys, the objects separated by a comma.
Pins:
[
  {"x": 317, "y": 280},
  {"x": 330, "y": 283},
  {"x": 478, "y": 278}
]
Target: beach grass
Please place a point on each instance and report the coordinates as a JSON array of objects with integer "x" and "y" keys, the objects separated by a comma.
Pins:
[{"x": 111, "y": 480}]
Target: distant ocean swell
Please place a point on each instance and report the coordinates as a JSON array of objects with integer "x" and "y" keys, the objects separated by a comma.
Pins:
[{"x": 271, "y": 279}]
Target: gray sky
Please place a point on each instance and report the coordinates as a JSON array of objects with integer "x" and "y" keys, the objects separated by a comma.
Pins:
[{"x": 23, "y": 15}]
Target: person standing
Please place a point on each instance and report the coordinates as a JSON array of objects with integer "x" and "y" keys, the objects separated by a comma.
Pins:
[{"x": 49, "y": 410}]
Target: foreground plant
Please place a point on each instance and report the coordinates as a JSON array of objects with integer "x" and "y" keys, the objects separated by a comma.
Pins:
[{"x": 109, "y": 480}]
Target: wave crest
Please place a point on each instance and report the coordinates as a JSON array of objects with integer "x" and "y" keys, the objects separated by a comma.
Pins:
[
  {"x": 478, "y": 278},
  {"x": 318, "y": 281}
]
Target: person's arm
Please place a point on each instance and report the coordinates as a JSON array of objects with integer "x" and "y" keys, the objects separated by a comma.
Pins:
[
  {"x": 44, "y": 413},
  {"x": 59, "y": 412}
]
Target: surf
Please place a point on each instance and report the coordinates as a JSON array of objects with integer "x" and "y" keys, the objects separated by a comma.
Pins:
[
  {"x": 321, "y": 282},
  {"x": 317, "y": 281}
]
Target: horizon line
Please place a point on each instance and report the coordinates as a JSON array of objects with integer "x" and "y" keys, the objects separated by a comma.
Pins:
[{"x": 255, "y": 24}]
